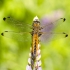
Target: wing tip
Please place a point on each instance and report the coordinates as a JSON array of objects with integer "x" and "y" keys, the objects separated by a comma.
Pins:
[{"x": 2, "y": 34}]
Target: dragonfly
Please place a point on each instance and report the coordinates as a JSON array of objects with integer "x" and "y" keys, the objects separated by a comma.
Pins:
[{"x": 34, "y": 62}]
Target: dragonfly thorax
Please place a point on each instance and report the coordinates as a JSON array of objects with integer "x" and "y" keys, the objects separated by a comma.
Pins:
[{"x": 36, "y": 28}]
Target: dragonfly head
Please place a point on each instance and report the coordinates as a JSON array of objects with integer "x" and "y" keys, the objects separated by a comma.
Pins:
[
  {"x": 36, "y": 21},
  {"x": 35, "y": 18}
]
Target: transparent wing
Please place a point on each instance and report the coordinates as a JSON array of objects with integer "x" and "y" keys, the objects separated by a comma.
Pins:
[
  {"x": 49, "y": 26},
  {"x": 47, "y": 23},
  {"x": 16, "y": 24},
  {"x": 20, "y": 30},
  {"x": 19, "y": 36}
]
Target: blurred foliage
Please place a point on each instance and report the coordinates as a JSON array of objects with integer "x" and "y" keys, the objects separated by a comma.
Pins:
[{"x": 14, "y": 54}]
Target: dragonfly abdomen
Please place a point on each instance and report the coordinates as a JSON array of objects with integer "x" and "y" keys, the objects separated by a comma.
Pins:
[{"x": 34, "y": 64}]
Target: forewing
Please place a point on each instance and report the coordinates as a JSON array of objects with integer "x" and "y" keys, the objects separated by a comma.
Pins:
[{"x": 16, "y": 24}]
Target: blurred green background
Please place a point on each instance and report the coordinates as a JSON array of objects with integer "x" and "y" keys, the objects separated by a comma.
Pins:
[{"x": 14, "y": 54}]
